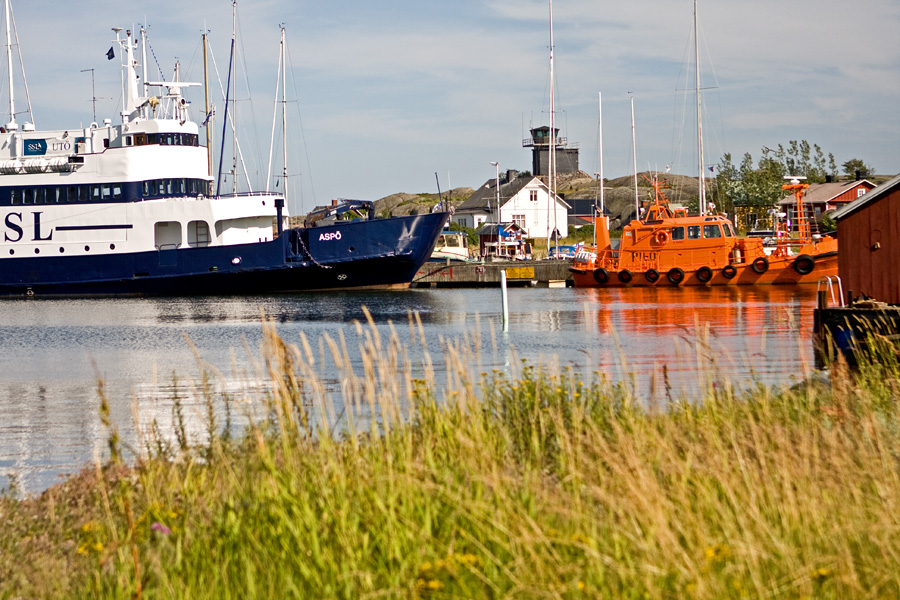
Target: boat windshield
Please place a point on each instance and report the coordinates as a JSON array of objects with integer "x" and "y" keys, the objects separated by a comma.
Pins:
[{"x": 712, "y": 231}]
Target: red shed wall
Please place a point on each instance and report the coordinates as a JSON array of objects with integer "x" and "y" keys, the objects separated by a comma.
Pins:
[{"x": 869, "y": 249}]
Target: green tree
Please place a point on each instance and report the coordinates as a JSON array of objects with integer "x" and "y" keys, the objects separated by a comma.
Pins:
[
  {"x": 469, "y": 231},
  {"x": 856, "y": 164}
]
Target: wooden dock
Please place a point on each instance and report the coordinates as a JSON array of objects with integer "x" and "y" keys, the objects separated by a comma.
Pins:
[{"x": 519, "y": 273}]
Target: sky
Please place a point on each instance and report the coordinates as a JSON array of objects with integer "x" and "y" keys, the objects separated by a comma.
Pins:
[{"x": 383, "y": 95}]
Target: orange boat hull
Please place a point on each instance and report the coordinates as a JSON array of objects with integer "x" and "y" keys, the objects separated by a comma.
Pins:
[{"x": 780, "y": 271}]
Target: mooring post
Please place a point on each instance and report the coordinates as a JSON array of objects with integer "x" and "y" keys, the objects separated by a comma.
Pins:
[
  {"x": 821, "y": 304},
  {"x": 504, "y": 302}
]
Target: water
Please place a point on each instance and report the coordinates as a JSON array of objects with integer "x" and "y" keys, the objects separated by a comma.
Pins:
[{"x": 52, "y": 352}]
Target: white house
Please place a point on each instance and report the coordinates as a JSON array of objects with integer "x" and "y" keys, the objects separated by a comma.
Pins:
[{"x": 524, "y": 201}]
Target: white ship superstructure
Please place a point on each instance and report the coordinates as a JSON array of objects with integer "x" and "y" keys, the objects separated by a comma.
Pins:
[
  {"x": 82, "y": 191},
  {"x": 131, "y": 208}
]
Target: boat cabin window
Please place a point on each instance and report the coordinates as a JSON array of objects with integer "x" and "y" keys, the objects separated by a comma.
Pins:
[
  {"x": 140, "y": 139},
  {"x": 198, "y": 234},
  {"x": 127, "y": 140},
  {"x": 107, "y": 192},
  {"x": 712, "y": 231},
  {"x": 693, "y": 232},
  {"x": 678, "y": 233},
  {"x": 167, "y": 235},
  {"x": 728, "y": 231}
]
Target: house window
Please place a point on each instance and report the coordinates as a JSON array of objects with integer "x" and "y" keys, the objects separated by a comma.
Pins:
[
  {"x": 533, "y": 195},
  {"x": 861, "y": 191},
  {"x": 519, "y": 220},
  {"x": 752, "y": 219}
]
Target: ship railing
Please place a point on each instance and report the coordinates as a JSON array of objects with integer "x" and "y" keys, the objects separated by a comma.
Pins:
[{"x": 249, "y": 194}]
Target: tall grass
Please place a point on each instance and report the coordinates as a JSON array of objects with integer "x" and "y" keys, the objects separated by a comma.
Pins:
[{"x": 533, "y": 483}]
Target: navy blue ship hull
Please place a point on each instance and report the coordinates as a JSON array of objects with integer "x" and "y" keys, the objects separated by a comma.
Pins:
[{"x": 354, "y": 254}]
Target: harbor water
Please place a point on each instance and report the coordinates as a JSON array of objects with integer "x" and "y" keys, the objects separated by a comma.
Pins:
[{"x": 53, "y": 353}]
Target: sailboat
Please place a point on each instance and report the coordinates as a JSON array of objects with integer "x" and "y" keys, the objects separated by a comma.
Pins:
[
  {"x": 666, "y": 246},
  {"x": 131, "y": 209}
]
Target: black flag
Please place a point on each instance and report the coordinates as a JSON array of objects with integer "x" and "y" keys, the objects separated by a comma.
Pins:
[{"x": 110, "y": 55}]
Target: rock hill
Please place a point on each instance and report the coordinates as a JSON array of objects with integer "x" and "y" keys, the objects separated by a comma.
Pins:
[{"x": 618, "y": 193}]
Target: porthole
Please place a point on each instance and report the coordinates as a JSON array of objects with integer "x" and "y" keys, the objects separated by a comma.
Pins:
[
  {"x": 87, "y": 248},
  {"x": 61, "y": 250},
  {"x": 112, "y": 246},
  {"x": 37, "y": 250},
  {"x": 11, "y": 251}
]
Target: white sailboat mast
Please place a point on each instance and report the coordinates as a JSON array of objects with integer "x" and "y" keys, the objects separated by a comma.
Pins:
[
  {"x": 701, "y": 179},
  {"x": 284, "y": 136},
  {"x": 552, "y": 159},
  {"x": 602, "y": 208},
  {"x": 637, "y": 201},
  {"x": 12, "y": 125},
  {"x": 280, "y": 81}
]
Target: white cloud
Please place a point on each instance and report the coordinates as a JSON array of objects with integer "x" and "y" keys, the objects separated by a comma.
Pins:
[{"x": 394, "y": 92}]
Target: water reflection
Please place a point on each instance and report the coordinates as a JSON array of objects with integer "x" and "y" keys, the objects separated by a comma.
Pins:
[{"x": 51, "y": 352}]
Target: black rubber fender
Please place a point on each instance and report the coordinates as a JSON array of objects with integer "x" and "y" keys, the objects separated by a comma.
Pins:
[
  {"x": 675, "y": 275},
  {"x": 760, "y": 265},
  {"x": 804, "y": 264}
]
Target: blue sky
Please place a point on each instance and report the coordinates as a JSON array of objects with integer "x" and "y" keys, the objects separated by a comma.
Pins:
[{"x": 390, "y": 93}]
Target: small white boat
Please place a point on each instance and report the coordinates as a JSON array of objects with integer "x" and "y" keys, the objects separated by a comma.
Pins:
[{"x": 451, "y": 245}]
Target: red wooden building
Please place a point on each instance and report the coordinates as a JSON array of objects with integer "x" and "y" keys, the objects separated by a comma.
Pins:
[
  {"x": 823, "y": 197},
  {"x": 869, "y": 237}
]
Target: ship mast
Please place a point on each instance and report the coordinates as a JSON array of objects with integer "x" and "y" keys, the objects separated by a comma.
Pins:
[
  {"x": 701, "y": 180},
  {"x": 12, "y": 125},
  {"x": 207, "y": 117}
]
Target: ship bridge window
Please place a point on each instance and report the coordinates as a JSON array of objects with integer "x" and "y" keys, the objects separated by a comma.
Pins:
[
  {"x": 140, "y": 139},
  {"x": 693, "y": 232},
  {"x": 678, "y": 233},
  {"x": 712, "y": 231}
]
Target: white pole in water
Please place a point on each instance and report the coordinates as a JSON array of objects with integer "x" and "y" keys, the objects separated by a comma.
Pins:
[{"x": 504, "y": 301}]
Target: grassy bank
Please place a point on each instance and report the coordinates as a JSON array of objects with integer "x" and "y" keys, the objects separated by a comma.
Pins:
[{"x": 539, "y": 483}]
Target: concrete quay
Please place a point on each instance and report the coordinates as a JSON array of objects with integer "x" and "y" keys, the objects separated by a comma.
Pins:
[{"x": 519, "y": 273}]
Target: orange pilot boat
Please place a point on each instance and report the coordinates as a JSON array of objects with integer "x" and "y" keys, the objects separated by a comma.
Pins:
[{"x": 669, "y": 247}]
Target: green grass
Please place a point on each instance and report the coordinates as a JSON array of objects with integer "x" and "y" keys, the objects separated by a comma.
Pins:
[{"x": 538, "y": 483}]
